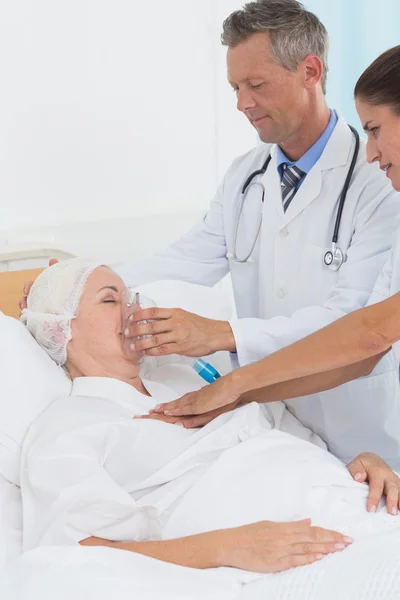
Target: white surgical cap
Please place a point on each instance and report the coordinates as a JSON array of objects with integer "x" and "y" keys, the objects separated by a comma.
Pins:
[{"x": 52, "y": 303}]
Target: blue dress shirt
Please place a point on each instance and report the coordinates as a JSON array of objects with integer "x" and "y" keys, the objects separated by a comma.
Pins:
[{"x": 308, "y": 160}]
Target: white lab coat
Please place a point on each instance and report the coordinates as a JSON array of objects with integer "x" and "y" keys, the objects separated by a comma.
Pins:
[{"x": 287, "y": 292}]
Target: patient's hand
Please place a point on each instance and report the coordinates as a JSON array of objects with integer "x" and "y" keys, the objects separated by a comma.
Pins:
[
  {"x": 268, "y": 547},
  {"x": 27, "y": 287},
  {"x": 265, "y": 547},
  {"x": 368, "y": 467}
]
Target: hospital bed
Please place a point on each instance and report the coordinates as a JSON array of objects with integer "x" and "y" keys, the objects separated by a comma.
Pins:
[
  {"x": 13, "y": 277},
  {"x": 12, "y": 281},
  {"x": 75, "y": 572}
]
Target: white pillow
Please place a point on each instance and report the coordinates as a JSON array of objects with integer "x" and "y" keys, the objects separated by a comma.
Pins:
[
  {"x": 213, "y": 303},
  {"x": 29, "y": 382}
]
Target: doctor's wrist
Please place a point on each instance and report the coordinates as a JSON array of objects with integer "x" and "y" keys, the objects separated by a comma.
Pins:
[{"x": 222, "y": 338}]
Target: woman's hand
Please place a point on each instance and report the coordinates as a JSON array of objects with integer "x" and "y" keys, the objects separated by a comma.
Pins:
[
  {"x": 268, "y": 547},
  {"x": 192, "y": 422},
  {"x": 216, "y": 395},
  {"x": 368, "y": 467}
]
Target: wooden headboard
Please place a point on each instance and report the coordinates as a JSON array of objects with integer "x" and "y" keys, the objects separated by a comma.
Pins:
[{"x": 11, "y": 289}]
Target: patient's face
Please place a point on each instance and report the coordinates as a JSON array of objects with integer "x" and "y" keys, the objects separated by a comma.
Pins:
[{"x": 96, "y": 346}]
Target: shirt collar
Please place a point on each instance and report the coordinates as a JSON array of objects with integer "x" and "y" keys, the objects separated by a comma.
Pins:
[
  {"x": 308, "y": 160},
  {"x": 121, "y": 392}
]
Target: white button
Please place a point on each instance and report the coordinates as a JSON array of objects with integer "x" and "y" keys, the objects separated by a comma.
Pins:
[
  {"x": 281, "y": 293},
  {"x": 244, "y": 434},
  {"x": 284, "y": 232}
]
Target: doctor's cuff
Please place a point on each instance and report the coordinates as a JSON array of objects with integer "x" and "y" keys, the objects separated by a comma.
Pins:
[{"x": 240, "y": 357}]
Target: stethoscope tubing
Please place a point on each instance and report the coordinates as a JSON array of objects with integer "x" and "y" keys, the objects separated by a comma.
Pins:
[{"x": 336, "y": 251}]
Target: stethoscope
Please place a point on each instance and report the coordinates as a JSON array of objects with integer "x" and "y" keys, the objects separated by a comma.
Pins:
[{"x": 333, "y": 258}]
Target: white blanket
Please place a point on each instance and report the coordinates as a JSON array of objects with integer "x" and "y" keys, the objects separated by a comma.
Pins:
[
  {"x": 56, "y": 573},
  {"x": 247, "y": 473},
  {"x": 369, "y": 570},
  {"x": 10, "y": 521}
]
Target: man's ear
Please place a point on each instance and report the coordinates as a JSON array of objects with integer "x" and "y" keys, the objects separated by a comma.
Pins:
[{"x": 313, "y": 69}]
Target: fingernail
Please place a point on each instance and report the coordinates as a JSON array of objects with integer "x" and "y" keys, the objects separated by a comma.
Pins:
[
  {"x": 340, "y": 546},
  {"x": 180, "y": 424},
  {"x": 126, "y": 332},
  {"x": 357, "y": 476},
  {"x": 372, "y": 509},
  {"x": 132, "y": 346},
  {"x": 130, "y": 318},
  {"x": 319, "y": 556},
  {"x": 348, "y": 540},
  {"x": 394, "y": 511},
  {"x": 157, "y": 407},
  {"x": 167, "y": 412}
]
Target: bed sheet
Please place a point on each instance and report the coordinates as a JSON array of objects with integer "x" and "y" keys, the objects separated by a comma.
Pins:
[
  {"x": 366, "y": 571},
  {"x": 10, "y": 521}
]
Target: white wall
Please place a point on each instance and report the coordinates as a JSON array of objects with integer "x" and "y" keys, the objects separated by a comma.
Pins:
[
  {"x": 235, "y": 135},
  {"x": 112, "y": 109}
]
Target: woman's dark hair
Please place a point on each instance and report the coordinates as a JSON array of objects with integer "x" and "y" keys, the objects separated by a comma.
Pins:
[{"x": 379, "y": 85}]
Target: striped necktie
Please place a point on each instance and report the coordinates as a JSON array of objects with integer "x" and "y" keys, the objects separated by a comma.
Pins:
[{"x": 290, "y": 180}]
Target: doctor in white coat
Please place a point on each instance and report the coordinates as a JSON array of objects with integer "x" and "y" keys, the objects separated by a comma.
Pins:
[
  {"x": 352, "y": 345},
  {"x": 276, "y": 60}
]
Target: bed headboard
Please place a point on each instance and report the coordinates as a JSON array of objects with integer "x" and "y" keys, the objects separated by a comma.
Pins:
[{"x": 11, "y": 286}]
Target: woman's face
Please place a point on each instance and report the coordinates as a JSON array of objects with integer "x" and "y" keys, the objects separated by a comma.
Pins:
[
  {"x": 382, "y": 126},
  {"x": 96, "y": 345}
]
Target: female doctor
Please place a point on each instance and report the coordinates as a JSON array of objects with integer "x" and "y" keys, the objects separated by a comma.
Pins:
[{"x": 343, "y": 350}]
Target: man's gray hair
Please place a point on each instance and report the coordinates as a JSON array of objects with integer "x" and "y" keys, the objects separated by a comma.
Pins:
[{"x": 294, "y": 32}]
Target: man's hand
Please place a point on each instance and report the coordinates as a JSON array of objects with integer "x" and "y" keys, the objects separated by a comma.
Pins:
[
  {"x": 27, "y": 288},
  {"x": 176, "y": 331},
  {"x": 368, "y": 467}
]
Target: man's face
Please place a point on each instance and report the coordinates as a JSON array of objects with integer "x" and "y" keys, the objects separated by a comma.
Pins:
[{"x": 273, "y": 99}]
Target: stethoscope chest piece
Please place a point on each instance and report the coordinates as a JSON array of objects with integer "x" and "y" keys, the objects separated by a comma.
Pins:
[{"x": 334, "y": 258}]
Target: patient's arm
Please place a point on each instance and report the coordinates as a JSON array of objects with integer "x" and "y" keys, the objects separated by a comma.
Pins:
[
  {"x": 201, "y": 551},
  {"x": 262, "y": 547}
]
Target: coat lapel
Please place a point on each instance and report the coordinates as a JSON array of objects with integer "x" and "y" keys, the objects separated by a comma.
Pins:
[{"x": 336, "y": 154}]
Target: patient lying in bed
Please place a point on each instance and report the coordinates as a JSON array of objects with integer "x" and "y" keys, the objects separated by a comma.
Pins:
[{"x": 93, "y": 474}]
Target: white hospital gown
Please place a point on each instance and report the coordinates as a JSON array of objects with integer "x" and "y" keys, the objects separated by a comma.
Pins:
[{"x": 90, "y": 469}]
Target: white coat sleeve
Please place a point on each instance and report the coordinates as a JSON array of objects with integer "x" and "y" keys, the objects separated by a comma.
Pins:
[
  {"x": 69, "y": 496},
  {"x": 374, "y": 232},
  {"x": 198, "y": 257}
]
